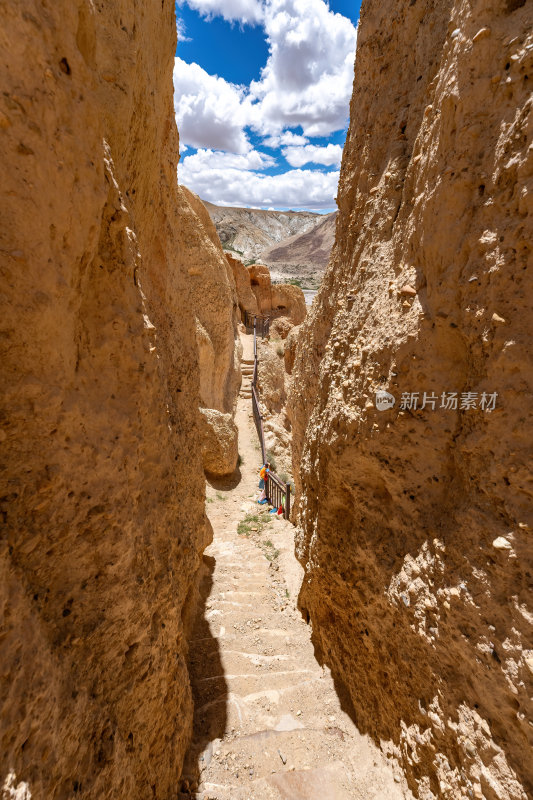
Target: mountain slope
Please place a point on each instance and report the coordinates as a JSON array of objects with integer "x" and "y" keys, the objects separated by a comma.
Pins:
[
  {"x": 306, "y": 254},
  {"x": 250, "y": 231}
]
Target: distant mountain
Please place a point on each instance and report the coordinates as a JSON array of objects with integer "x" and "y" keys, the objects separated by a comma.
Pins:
[
  {"x": 305, "y": 255},
  {"x": 251, "y": 231}
]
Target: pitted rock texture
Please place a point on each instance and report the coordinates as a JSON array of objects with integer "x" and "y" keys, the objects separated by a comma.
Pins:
[
  {"x": 288, "y": 301},
  {"x": 99, "y": 422},
  {"x": 415, "y": 524},
  {"x": 219, "y": 442},
  {"x": 276, "y": 300},
  {"x": 215, "y": 305},
  {"x": 241, "y": 276}
]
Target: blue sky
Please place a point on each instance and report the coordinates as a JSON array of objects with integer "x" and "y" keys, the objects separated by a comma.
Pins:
[{"x": 262, "y": 89}]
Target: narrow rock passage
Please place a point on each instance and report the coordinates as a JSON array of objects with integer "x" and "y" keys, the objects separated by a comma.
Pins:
[{"x": 268, "y": 723}]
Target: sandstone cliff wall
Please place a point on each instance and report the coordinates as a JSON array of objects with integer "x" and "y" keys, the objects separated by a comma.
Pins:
[
  {"x": 100, "y": 390},
  {"x": 415, "y": 524},
  {"x": 246, "y": 298},
  {"x": 214, "y": 300}
]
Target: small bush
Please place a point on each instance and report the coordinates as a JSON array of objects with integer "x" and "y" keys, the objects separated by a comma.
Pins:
[
  {"x": 270, "y": 552},
  {"x": 257, "y": 521}
]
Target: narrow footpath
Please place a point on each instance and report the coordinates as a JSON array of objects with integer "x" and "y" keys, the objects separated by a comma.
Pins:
[{"x": 268, "y": 722}]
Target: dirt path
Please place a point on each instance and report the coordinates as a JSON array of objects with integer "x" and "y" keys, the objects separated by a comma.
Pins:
[{"x": 268, "y": 722}]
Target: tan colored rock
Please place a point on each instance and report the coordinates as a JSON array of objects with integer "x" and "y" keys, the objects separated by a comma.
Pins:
[
  {"x": 220, "y": 449},
  {"x": 414, "y": 610},
  {"x": 280, "y": 328},
  {"x": 271, "y": 378},
  {"x": 289, "y": 301},
  {"x": 290, "y": 349},
  {"x": 241, "y": 276},
  {"x": 102, "y": 482},
  {"x": 214, "y": 299},
  {"x": 261, "y": 287}
]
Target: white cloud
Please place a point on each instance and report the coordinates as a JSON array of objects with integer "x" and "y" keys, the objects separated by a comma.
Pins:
[
  {"x": 287, "y": 137},
  {"x": 308, "y": 77},
  {"x": 210, "y": 111},
  {"x": 312, "y": 153},
  {"x": 182, "y": 31},
  {"x": 306, "y": 83},
  {"x": 231, "y": 186},
  {"x": 250, "y": 11},
  {"x": 204, "y": 160}
]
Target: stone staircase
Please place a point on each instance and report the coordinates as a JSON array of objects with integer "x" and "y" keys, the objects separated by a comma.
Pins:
[
  {"x": 247, "y": 372},
  {"x": 268, "y": 724}
]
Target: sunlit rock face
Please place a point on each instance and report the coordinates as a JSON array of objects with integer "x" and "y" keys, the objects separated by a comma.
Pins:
[
  {"x": 414, "y": 522},
  {"x": 214, "y": 299},
  {"x": 102, "y": 480}
]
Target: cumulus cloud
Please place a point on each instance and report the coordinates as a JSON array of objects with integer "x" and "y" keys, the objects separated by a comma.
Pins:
[
  {"x": 287, "y": 137},
  {"x": 205, "y": 160},
  {"x": 308, "y": 76},
  {"x": 210, "y": 111},
  {"x": 306, "y": 84},
  {"x": 250, "y": 11},
  {"x": 230, "y": 186},
  {"x": 307, "y": 80},
  {"x": 313, "y": 154},
  {"x": 181, "y": 31}
]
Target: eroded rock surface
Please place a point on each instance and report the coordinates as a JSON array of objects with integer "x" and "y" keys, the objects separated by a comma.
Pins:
[
  {"x": 214, "y": 300},
  {"x": 414, "y": 523},
  {"x": 276, "y": 300},
  {"x": 246, "y": 298},
  {"x": 100, "y": 390},
  {"x": 219, "y": 442}
]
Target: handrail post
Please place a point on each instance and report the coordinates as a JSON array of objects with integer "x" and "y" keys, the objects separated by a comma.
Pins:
[{"x": 287, "y": 500}]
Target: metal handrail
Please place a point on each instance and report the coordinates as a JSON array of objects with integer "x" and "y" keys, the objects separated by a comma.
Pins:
[
  {"x": 276, "y": 491},
  {"x": 258, "y": 422}
]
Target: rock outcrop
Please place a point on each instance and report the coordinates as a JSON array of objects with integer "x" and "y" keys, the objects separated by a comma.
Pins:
[
  {"x": 256, "y": 294},
  {"x": 219, "y": 442},
  {"x": 415, "y": 522},
  {"x": 214, "y": 301},
  {"x": 276, "y": 300},
  {"x": 246, "y": 298},
  {"x": 99, "y": 437},
  {"x": 288, "y": 301}
]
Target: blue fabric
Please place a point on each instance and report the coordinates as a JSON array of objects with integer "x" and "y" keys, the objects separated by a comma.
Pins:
[{"x": 261, "y": 483}]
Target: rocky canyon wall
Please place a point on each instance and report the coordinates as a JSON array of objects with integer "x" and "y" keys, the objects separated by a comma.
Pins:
[
  {"x": 102, "y": 481},
  {"x": 414, "y": 522},
  {"x": 213, "y": 297}
]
